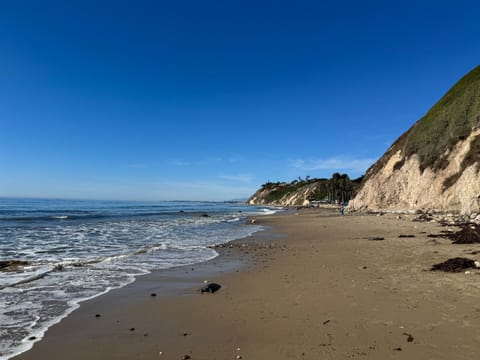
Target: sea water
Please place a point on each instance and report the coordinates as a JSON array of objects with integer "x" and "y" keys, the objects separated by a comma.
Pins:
[{"x": 77, "y": 250}]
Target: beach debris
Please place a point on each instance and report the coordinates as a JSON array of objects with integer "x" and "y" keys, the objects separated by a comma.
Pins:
[
  {"x": 185, "y": 334},
  {"x": 153, "y": 294},
  {"x": 160, "y": 353},
  {"x": 376, "y": 238},
  {"x": 186, "y": 357},
  {"x": 326, "y": 322},
  {"x": 204, "y": 215},
  {"x": 132, "y": 329},
  {"x": 423, "y": 217},
  {"x": 31, "y": 338},
  {"x": 97, "y": 315},
  {"x": 409, "y": 337},
  {"x": 398, "y": 349},
  {"x": 406, "y": 236},
  {"x": 438, "y": 236},
  {"x": 253, "y": 221},
  {"x": 477, "y": 264},
  {"x": 457, "y": 264},
  {"x": 238, "y": 357},
  {"x": 205, "y": 281},
  {"x": 467, "y": 235},
  {"x": 211, "y": 288}
]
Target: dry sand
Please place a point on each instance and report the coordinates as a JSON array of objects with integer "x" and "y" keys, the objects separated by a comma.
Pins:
[{"x": 310, "y": 287}]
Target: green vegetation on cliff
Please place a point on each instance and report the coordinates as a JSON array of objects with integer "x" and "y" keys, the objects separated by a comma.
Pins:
[
  {"x": 449, "y": 121},
  {"x": 338, "y": 188}
]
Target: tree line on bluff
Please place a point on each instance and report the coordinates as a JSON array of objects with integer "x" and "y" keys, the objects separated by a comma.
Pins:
[{"x": 339, "y": 188}]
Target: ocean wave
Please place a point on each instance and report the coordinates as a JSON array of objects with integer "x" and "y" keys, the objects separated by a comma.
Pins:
[{"x": 73, "y": 257}]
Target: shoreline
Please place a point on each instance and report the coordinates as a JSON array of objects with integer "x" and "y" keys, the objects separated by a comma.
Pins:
[
  {"x": 170, "y": 282},
  {"x": 309, "y": 286}
]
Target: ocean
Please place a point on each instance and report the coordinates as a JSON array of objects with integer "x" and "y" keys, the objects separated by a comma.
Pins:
[{"x": 76, "y": 250}]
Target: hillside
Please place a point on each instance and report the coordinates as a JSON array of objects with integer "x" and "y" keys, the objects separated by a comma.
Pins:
[
  {"x": 302, "y": 192},
  {"x": 435, "y": 164}
]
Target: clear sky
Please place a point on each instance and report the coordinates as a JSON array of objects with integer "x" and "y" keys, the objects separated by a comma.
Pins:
[{"x": 207, "y": 100}]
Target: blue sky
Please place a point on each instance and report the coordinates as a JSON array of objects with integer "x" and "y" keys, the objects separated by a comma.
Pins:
[{"x": 207, "y": 100}]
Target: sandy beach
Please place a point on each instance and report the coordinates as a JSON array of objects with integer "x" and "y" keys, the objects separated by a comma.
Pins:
[{"x": 312, "y": 286}]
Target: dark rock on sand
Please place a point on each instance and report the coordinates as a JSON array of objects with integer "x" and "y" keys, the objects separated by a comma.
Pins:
[
  {"x": 406, "y": 236},
  {"x": 423, "y": 218},
  {"x": 8, "y": 265},
  {"x": 467, "y": 235},
  {"x": 211, "y": 288},
  {"x": 454, "y": 265},
  {"x": 376, "y": 238},
  {"x": 409, "y": 337},
  {"x": 204, "y": 215}
]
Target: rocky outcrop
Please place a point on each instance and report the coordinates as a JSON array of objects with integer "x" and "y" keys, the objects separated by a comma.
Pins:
[
  {"x": 434, "y": 165},
  {"x": 10, "y": 265}
]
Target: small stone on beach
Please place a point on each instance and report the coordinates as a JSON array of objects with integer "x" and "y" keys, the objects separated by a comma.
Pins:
[
  {"x": 211, "y": 288},
  {"x": 98, "y": 315},
  {"x": 132, "y": 329},
  {"x": 153, "y": 294}
]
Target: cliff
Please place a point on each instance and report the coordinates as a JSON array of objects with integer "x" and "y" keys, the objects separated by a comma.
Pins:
[
  {"x": 282, "y": 194},
  {"x": 435, "y": 164},
  {"x": 302, "y": 192}
]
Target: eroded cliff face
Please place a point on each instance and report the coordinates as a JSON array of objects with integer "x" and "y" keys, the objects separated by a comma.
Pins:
[
  {"x": 408, "y": 188},
  {"x": 300, "y": 196},
  {"x": 435, "y": 164}
]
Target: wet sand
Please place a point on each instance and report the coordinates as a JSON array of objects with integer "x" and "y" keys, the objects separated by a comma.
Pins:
[{"x": 312, "y": 286}]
